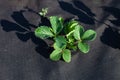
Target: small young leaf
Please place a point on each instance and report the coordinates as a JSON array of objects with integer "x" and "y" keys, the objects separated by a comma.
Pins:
[
  {"x": 56, "y": 23},
  {"x": 56, "y": 55},
  {"x": 71, "y": 46},
  {"x": 71, "y": 41},
  {"x": 83, "y": 47},
  {"x": 70, "y": 37},
  {"x": 89, "y": 35},
  {"x": 61, "y": 20},
  {"x": 43, "y": 12},
  {"x": 66, "y": 54},
  {"x": 43, "y": 32},
  {"x": 60, "y": 42},
  {"x": 78, "y": 32},
  {"x": 70, "y": 26}
]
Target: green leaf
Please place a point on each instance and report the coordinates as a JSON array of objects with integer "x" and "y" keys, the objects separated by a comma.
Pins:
[
  {"x": 71, "y": 41},
  {"x": 56, "y": 55},
  {"x": 66, "y": 54},
  {"x": 89, "y": 35},
  {"x": 55, "y": 46},
  {"x": 56, "y": 23},
  {"x": 83, "y": 47},
  {"x": 71, "y": 46},
  {"x": 70, "y": 26},
  {"x": 60, "y": 42},
  {"x": 61, "y": 20},
  {"x": 78, "y": 32},
  {"x": 70, "y": 37},
  {"x": 43, "y": 32}
]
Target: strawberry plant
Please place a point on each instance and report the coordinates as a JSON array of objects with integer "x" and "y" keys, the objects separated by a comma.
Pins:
[{"x": 66, "y": 36}]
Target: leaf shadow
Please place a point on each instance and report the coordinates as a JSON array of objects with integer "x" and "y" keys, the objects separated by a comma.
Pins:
[
  {"x": 111, "y": 35},
  {"x": 24, "y": 31},
  {"x": 111, "y": 38},
  {"x": 114, "y": 12},
  {"x": 78, "y": 9}
]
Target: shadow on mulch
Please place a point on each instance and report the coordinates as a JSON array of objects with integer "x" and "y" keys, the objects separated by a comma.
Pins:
[
  {"x": 111, "y": 35},
  {"x": 23, "y": 30},
  {"x": 114, "y": 12},
  {"x": 111, "y": 38},
  {"x": 78, "y": 9}
]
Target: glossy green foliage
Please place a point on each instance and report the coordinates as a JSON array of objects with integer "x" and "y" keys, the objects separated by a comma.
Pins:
[
  {"x": 43, "y": 32},
  {"x": 56, "y": 24},
  {"x": 67, "y": 36},
  {"x": 66, "y": 54},
  {"x": 56, "y": 55},
  {"x": 83, "y": 37},
  {"x": 46, "y": 31},
  {"x": 60, "y": 42}
]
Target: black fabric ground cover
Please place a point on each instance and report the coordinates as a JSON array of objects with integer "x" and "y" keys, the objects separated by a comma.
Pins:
[{"x": 25, "y": 57}]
